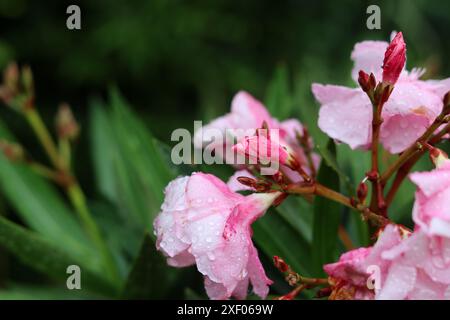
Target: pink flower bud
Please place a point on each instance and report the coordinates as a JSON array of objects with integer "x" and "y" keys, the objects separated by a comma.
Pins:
[
  {"x": 362, "y": 192},
  {"x": 280, "y": 264},
  {"x": 263, "y": 150},
  {"x": 364, "y": 81},
  {"x": 394, "y": 59}
]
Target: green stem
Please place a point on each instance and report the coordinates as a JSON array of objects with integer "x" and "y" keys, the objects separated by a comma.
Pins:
[
  {"x": 78, "y": 200},
  {"x": 44, "y": 137},
  {"x": 73, "y": 190}
]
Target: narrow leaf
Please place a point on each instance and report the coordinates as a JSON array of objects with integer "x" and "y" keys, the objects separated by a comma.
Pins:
[
  {"x": 47, "y": 258},
  {"x": 327, "y": 216}
]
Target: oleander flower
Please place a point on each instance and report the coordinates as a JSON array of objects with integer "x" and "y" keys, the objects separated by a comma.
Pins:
[
  {"x": 431, "y": 211},
  {"x": 346, "y": 113},
  {"x": 409, "y": 266},
  {"x": 203, "y": 222},
  {"x": 248, "y": 115},
  {"x": 351, "y": 274},
  {"x": 419, "y": 269}
]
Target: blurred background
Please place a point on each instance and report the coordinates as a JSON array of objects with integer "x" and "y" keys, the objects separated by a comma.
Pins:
[{"x": 179, "y": 61}]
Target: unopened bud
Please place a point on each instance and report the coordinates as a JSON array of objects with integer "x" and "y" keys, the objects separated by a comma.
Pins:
[
  {"x": 12, "y": 151},
  {"x": 11, "y": 77},
  {"x": 394, "y": 59},
  {"x": 27, "y": 81},
  {"x": 372, "y": 81},
  {"x": 246, "y": 181},
  {"x": 66, "y": 125},
  {"x": 363, "y": 80},
  {"x": 438, "y": 157},
  {"x": 362, "y": 192},
  {"x": 280, "y": 264}
]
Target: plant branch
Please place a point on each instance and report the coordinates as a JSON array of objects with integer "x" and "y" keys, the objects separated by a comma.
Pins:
[{"x": 321, "y": 190}]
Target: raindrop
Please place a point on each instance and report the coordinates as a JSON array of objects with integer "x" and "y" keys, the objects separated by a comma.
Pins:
[{"x": 211, "y": 256}]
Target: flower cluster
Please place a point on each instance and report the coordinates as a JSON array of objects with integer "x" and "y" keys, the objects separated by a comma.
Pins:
[{"x": 206, "y": 222}]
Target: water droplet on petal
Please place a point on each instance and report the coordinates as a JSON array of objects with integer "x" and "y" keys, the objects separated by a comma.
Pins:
[{"x": 211, "y": 256}]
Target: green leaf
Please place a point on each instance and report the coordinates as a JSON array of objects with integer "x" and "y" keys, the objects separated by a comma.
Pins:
[
  {"x": 278, "y": 98},
  {"x": 132, "y": 169},
  {"x": 103, "y": 150},
  {"x": 331, "y": 161},
  {"x": 150, "y": 277},
  {"x": 39, "y": 292},
  {"x": 43, "y": 256},
  {"x": 298, "y": 212},
  {"x": 327, "y": 215},
  {"x": 274, "y": 236},
  {"x": 41, "y": 207},
  {"x": 141, "y": 170}
]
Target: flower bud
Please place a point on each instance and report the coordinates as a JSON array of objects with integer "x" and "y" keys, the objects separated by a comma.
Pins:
[
  {"x": 11, "y": 77},
  {"x": 363, "y": 80},
  {"x": 246, "y": 181},
  {"x": 438, "y": 157},
  {"x": 263, "y": 150},
  {"x": 12, "y": 151},
  {"x": 66, "y": 125},
  {"x": 280, "y": 264},
  {"x": 27, "y": 81},
  {"x": 394, "y": 59},
  {"x": 362, "y": 192}
]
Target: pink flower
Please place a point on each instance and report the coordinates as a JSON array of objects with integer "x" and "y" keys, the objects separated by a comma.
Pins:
[
  {"x": 246, "y": 116},
  {"x": 419, "y": 268},
  {"x": 203, "y": 222},
  {"x": 413, "y": 267},
  {"x": 346, "y": 113},
  {"x": 354, "y": 268},
  {"x": 431, "y": 211},
  {"x": 394, "y": 59}
]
